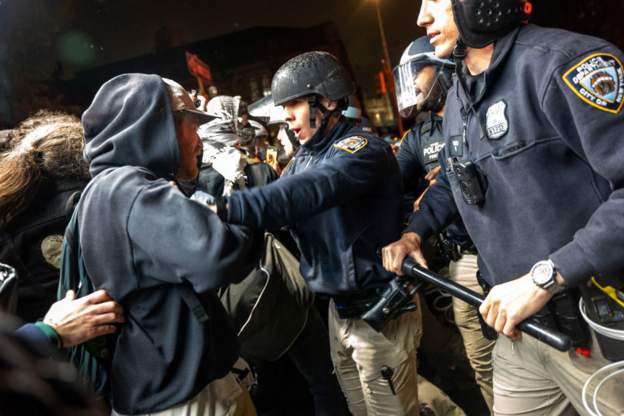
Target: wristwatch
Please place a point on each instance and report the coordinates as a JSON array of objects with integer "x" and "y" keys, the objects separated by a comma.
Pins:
[{"x": 543, "y": 274}]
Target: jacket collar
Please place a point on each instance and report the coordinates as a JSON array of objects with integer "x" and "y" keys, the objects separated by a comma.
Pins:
[
  {"x": 320, "y": 142},
  {"x": 502, "y": 49}
]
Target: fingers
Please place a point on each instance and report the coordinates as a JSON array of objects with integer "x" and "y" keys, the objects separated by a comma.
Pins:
[
  {"x": 419, "y": 257},
  {"x": 393, "y": 256},
  {"x": 509, "y": 328},
  {"x": 110, "y": 307},
  {"x": 97, "y": 297},
  {"x": 107, "y": 319},
  {"x": 70, "y": 295},
  {"x": 500, "y": 321},
  {"x": 104, "y": 330},
  {"x": 485, "y": 307}
]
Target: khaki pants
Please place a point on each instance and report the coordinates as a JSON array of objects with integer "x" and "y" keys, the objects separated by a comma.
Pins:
[
  {"x": 435, "y": 399},
  {"x": 222, "y": 397},
  {"x": 478, "y": 348},
  {"x": 531, "y": 379},
  {"x": 359, "y": 352}
]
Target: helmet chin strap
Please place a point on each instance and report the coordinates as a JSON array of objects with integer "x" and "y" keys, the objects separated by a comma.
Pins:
[
  {"x": 292, "y": 138},
  {"x": 315, "y": 104}
]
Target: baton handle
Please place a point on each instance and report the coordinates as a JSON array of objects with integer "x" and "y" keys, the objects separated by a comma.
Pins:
[{"x": 551, "y": 337}]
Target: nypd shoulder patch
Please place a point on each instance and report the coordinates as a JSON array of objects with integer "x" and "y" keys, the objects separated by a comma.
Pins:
[
  {"x": 599, "y": 81},
  {"x": 352, "y": 144}
]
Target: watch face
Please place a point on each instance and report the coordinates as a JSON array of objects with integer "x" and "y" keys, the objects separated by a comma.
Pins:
[{"x": 542, "y": 273}]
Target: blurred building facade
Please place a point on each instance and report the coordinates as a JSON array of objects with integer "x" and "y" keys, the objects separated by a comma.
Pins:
[{"x": 242, "y": 63}]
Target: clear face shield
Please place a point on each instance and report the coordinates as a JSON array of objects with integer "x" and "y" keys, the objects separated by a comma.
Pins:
[{"x": 414, "y": 81}]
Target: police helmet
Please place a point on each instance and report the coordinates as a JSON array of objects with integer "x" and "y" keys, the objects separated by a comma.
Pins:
[
  {"x": 418, "y": 55},
  {"x": 311, "y": 73},
  {"x": 482, "y": 22},
  {"x": 260, "y": 131},
  {"x": 260, "y": 109}
]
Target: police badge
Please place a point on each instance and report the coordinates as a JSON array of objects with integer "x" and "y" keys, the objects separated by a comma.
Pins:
[
  {"x": 496, "y": 122},
  {"x": 599, "y": 81}
]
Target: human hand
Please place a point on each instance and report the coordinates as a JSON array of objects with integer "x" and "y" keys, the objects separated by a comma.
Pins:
[
  {"x": 78, "y": 320},
  {"x": 393, "y": 254},
  {"x": 510, "y": 303},
  {"x": 432, "y": 174}
]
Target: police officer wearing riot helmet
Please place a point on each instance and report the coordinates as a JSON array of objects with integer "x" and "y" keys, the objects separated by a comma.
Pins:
[
  {"x": 422, "y": 81},
  {"x": 341, "y": 199},
  {"x": 533, "y": 165}
]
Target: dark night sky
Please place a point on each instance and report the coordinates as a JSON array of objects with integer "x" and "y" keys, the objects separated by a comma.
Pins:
[
  {"x": 111, "y": 30},
  {"x": 36, "y": 34}
]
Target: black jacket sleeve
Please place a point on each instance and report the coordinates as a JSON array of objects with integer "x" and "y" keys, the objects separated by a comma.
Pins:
[{"x": 339, "y": 178}]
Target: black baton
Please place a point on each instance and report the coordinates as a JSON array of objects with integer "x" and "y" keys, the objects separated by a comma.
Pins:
[{"x": 553, "y": 338}]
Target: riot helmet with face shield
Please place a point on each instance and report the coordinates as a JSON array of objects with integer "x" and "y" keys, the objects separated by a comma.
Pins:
[{"x": 422, "y": 79}]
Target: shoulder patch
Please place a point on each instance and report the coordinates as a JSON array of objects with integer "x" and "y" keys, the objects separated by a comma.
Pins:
[
  {"x": 352, "y": 144},
  {"x": 599, "y": 81}
]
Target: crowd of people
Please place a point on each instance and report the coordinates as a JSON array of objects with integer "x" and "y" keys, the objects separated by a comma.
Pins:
[{"x": 170, "y": 252}]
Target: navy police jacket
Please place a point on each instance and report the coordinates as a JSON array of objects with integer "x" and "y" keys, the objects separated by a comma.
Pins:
[
  {"x": 418, "y": 155},
  {"x": 547, "y": 136},
  {"x": 419, "y": 152},
  {"x": 341, "y": 196}
]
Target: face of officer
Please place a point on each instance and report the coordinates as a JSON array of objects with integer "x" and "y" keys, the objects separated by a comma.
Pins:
[
  {"x": 298, "y": 117},
  {"x": 189, "y": 144},
  {"x": 436, "y": 16},
  {"x": 424, "y": 84}
]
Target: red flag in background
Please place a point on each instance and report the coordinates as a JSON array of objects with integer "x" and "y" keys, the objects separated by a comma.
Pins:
[{"x": 198, "y": 68}]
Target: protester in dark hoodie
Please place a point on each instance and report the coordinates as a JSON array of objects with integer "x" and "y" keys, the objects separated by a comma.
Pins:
[{"x": 147, "y": 244}]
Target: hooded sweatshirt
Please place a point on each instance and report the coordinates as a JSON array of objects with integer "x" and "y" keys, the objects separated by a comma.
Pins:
[{"x": 142, "y": 239}]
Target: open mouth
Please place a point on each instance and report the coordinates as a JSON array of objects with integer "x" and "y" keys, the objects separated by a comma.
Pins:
[{"x": 433, "y": 37}]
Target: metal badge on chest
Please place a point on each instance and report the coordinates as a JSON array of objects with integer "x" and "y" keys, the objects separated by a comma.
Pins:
[{"x": 496, "y": 122}]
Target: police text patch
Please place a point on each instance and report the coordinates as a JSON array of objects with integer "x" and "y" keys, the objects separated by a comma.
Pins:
[
  {"x": 352, "y": 144},
  {"x": 599, "y": 81}
]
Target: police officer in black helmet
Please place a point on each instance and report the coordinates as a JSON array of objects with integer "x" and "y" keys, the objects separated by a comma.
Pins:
[
  {"x": 341, "y": 198},
  {"x": 533, "y": 164},
  {"x": 422, "y": 81}
]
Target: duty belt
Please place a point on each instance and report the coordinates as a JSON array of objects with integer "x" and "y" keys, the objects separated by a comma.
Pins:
[{"x": 353, "y": 306}]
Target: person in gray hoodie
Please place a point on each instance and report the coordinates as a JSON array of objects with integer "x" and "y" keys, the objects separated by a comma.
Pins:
[{"x": 157, "y": 252}]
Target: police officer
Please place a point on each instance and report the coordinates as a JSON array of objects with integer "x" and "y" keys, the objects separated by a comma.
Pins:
[
  {"x": 422, "y": 81},
  {"x": 533, "y": 163},
  {"x": 341, "y": 197}
]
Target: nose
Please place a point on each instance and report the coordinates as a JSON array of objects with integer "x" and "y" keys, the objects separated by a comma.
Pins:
[
  {"x": 289, "y": 115},
  {"x": 424, "y": 17}
]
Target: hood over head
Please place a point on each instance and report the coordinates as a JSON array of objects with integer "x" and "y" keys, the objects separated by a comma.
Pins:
[{"x": 130, "y": 123}]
